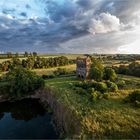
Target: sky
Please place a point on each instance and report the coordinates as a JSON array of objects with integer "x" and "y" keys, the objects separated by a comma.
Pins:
[{"x": 70, "y": 26}]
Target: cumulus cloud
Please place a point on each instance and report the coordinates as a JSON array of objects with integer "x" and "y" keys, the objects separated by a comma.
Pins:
[{"x": 104, "y": 23}]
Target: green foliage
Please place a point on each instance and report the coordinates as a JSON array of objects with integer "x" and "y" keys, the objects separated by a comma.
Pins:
[
  {"x": 101, "y": 86},
  {"x": 83, "y": 84},
  {"x": 96, "y": 71},
  {"x": 103, "y": 119},
  {"x": 94, "y": 96},
  {"x": 112, "y": 86},
  {"x": 96, "y": 74},
  {"x": 132, "y": 69},
  {"x": 35, "y": 62},
  {"x": 80, "y": 91},
  {"x": 134, "y": 98},
  {"x": 22, "y": 82},
  {"x": 121, "y": 84},
  {"x": 109, "y": 74},
  {"x": 105, "y": 96}
]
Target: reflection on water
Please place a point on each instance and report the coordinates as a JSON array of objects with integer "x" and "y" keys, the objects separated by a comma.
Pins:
[{"x": 25, "y": 119}]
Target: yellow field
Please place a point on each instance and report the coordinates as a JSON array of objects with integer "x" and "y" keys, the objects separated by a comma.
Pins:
[{"x": 51, "y": 70}]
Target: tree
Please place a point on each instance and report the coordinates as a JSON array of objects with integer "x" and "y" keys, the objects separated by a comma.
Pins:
[
  {"x": 96, "y": 74},
  {"x": 22, "y": 82},
  {"x": 96, "y": 71},
  {"x": 109, "y": 74}
]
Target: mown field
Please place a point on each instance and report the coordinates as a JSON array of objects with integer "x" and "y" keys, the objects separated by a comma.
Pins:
[{"x": 106, "y": 118}]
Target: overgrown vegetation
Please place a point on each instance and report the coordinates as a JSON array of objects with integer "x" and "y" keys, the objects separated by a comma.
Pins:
[
  {"x": 134, "y": 98},
  {"x": 20, "y": 82},
  {"x": 103, "y": 115}
]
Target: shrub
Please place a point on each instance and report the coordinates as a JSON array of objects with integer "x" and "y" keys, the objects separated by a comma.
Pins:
[
  {"x": 112, "y": 86},
  {"x": 105, "y": 95},
  {"x": 84, "y": 85},
  {"x": 80, "y": 90},
  {"x": 94, "y": 96},
  {"x": 134, "y": 96},
  {"x": 121, "y": 84},
  {"x": 100, "y": 86}
]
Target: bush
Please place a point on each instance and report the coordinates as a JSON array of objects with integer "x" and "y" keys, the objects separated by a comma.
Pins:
[
  {"x": 22, "y": 82},
  {"x": 100, "y": 86},
  {"x": 121, "y": 84},
  {"x": 80, "y": 90},
  {"x": 112, "y": 86},
  {"x": 134, "y": 98},
  {"x": 84, "y": 85},
  {"x": 94, "y": 96},
  {"x": 105, "y": 95}
]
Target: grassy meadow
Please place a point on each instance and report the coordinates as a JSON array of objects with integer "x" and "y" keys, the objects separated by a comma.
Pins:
[{"x": 106, "y": 118}]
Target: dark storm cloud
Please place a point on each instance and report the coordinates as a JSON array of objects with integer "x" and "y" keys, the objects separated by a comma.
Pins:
[{"x": 70, "y": 22}]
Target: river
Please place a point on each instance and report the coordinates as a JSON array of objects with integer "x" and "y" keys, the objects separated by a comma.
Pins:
[{"x": 26, "y": 119}]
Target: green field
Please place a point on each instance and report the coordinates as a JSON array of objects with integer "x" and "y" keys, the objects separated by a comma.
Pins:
[{"x": 106, "y": 118}]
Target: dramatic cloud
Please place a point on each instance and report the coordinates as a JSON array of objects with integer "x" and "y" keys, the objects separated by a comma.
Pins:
[
  {"x": 76, "y": 26},
  {"x": 104, "y": 23}
]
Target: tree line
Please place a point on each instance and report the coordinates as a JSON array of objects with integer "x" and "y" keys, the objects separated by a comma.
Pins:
[
  {"x": 34, "y": 62},
  {"x": 132, "y": 69}
]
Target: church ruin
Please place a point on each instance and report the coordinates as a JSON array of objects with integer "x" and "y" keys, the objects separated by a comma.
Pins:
[{"x": 83, "y": 65}]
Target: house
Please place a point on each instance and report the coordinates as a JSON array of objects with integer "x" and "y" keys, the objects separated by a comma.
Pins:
[{"x": 83, "y": 65}]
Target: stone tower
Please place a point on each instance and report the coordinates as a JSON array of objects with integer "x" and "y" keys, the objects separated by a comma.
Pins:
[{"x": 83, "y": 65}]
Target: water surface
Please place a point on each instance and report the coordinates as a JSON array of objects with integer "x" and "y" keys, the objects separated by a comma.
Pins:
[{"x": 26, "y": 119}]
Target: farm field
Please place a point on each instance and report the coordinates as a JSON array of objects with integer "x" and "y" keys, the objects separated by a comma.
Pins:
[
  {"x": 106, "y": 118},
  {"x": 69, "y": 56},
  {"x": 49, "y": 71}
]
